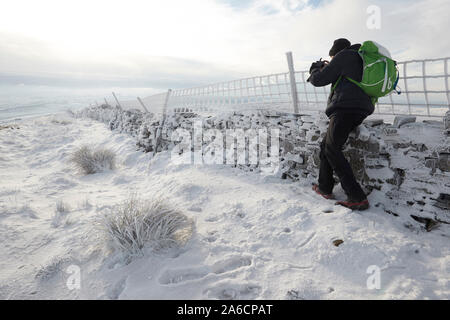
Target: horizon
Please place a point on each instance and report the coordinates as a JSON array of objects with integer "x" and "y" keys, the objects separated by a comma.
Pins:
[{"x": 173, "y": 44}]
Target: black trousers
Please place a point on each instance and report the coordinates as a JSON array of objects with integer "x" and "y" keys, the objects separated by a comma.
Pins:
[{"x": 332, "y": 158}]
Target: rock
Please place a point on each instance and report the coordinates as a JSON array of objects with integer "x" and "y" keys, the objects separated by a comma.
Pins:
[
  {"x": 431, "y": 163},
  {"x": 403, "y": 167},
  {"x": 402, "y": 120},
  {"x": 377, "y": 161},
  {"x": 356, "y": 160},
  {"x": 294, "y": 295},
  {"x": 363, "y": 133},
  {"x": 390, "y": 131},
  {"x": 444, "y": 161},
  {"x": 9, "y": 126},
  {"x": 287, "y": 146},
  {"x": 443, "y": 201},
  {"x": 401, "y": 145},
  {"x": 373, "y": 122},
  {"x": 433, "y": 123},
  {"x": 447, "y": 121},
  {"x": 372, "y": 145},
  {"x": 338, "y": 242},
  {"x": 430, "y": 224},
  {"x": 398, "y": 179},
  {"x": 420, "y": 147}
]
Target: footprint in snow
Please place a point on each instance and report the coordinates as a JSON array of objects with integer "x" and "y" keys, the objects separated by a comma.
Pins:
[
  {"x": 179, "y": 276},
  {"x": 190, "y": 192},
  {"x": 212, "y": 219},
  {"x": 308, "y": 292},
  {"x": 211, "y": 237},
  {"x": 116, "y": 290},
  {"x": 235, "y": 210},
  {"x": 232, "y": 291},
  {"x": 195, "y": 209}
]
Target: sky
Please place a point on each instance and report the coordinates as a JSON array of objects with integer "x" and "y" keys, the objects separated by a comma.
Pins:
[{"x": 164, "y": 44}]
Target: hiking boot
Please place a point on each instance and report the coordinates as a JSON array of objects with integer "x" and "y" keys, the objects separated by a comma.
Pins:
[
  {"x": 354, "y": 204},
  {"x": 328, "y": 196}
]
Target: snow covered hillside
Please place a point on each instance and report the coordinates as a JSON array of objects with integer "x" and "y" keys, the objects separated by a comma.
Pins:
[{"x": 256, "y": 236}]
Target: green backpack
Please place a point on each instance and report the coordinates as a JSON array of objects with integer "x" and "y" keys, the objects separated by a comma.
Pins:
[{"x": 380, "y": 73}]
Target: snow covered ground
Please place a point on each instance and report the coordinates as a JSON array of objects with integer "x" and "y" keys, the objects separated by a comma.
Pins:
[{"x": 256, "y": 237}]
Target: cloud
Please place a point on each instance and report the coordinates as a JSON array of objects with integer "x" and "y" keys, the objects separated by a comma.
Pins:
[
  {"x": 29, "y": 61},
  {"x": 186, "y": 43}
]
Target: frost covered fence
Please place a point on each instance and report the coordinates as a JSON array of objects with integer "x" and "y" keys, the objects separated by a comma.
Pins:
[
  {"x": 424, "y": 85},
  {"x": 262, "y": 92},
  {"x": 425, "y": 89},
  {"x": 156, "y": 103}
]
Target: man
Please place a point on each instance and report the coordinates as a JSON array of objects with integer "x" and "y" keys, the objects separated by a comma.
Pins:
[{"x": 348, "y": 105}]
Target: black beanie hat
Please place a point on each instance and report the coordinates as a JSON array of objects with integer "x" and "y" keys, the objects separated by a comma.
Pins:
[{"x": 339, "y": 45}]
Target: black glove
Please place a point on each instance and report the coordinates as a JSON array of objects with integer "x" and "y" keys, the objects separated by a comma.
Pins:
[{"x": 317, "y": 65}]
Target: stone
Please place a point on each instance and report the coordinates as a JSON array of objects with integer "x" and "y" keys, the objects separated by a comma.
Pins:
[
  {"x": 403, "y": 167},
  {"x": 373, "y": 122},
  {"x": 420, "y": 147},
  {"x": 447, "y": 120},
  {"x": 314, "y": 155},
  {"x": 402, "y": 120},
  {"x": 401, "y": 145},
  {"x": 390, "y": 131},
  {"x": 433, "y": 123},
  {"x": 444, "y": 161},
  {"x": 398, "y": 179},
  {"x": 287, "y": 146},
  {"x": 431, "y": 163},
  {"x": 338, "y": 242},
  {"x": 362, "y": 133},
  {"x": 372, "y": 145},
  {"x": 443, "y": 201},
  {"x": 377, "y": 161},
  {"x": 430, "y": 224},
  {"x": 356, "y": 160},
  {"x": 447, "y": 123},
  {"x": 8, "y": 126}
]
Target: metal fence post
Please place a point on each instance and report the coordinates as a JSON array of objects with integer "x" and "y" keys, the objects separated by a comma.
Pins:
[
  {"x": 281, "y": 91},
  {"x": 117, "y": 100},
  {"x": 159, "y": 132},
  {"x": 292, "y": 81},
  {"x": 446, "y": 81},
  {"x": 166, "y": 102},
  {"x": 142, "y": 104}
]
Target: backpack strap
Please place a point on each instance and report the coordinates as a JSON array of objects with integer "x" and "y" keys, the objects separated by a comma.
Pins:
[
  {"x": 396, "y": 83},
  {"x": 335, "y": 84},
  {"x": 383, "y": 89},
  {"x": 373, "y": 99}
]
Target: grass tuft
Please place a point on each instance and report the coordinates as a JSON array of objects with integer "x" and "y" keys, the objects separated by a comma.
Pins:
[
  {"x": 138, "y": 224},
  {"x": 90, "y": 161}
]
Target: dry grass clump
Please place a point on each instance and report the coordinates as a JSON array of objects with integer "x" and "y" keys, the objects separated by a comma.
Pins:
[
  {"x": 90, "y": 161},
  {"x": 138, "y": 224}
]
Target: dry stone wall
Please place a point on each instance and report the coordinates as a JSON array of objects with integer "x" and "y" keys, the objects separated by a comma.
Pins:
[{"x": 407, "y": 162}]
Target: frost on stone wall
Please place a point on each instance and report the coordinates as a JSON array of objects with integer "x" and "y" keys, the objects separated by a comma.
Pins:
[{"x": 408, "y": 162}]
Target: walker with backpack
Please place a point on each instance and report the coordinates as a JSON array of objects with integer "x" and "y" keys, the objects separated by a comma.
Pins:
[{"x": 380, "y": 72}]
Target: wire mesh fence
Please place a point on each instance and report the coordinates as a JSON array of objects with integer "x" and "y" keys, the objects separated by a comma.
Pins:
[
  {"x": 262, "y": 92},
  {"x": 423, "y": 83}
]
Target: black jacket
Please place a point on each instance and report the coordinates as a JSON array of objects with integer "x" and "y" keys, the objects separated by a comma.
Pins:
[{"x": 347, "y": 96}]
